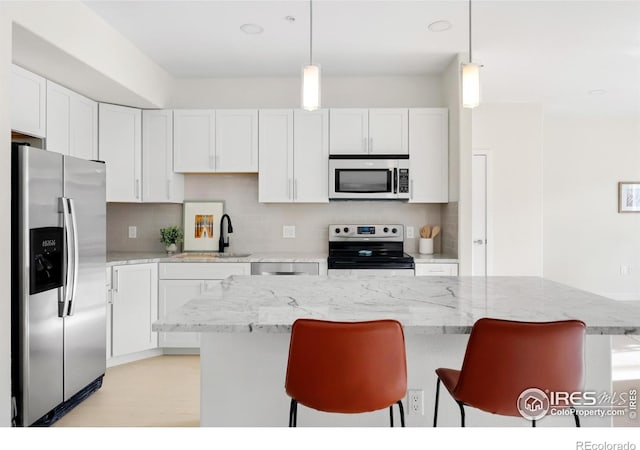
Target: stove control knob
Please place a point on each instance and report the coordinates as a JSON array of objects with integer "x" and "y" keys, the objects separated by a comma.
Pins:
[
  {"x": 346, "y": 229},
  {"x": 337, "y": 230},
  {"x": 386, "y": 229},
  {"x": 394, "y": 230}
]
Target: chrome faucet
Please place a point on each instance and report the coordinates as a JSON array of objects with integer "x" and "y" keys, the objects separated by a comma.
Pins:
[{"x": 221, "y": 243}]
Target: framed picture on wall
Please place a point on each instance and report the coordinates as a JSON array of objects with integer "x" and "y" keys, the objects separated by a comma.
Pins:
[
  {"x": 629, "y": 196},
  {"x": 202, "y": 225}
]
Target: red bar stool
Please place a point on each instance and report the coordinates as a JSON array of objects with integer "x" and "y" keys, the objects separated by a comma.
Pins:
[
  {"x": 504, "y": 358},
  {"x": 346, "y": 367}
]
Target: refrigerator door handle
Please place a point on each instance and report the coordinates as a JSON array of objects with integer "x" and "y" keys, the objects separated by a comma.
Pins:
[
  {"x": 68, "y": 280},
  {"x": 74, "y": 223}
]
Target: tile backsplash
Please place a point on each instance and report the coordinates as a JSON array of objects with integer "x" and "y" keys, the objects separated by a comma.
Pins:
[{"x": 258, "y": 226}]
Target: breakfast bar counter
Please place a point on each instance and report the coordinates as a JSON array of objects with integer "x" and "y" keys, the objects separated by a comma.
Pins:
[{"x": 245, "y": 322}]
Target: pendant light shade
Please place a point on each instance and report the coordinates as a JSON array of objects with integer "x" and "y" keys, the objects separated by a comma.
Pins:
[
  {"x": 470, "y": 85},
  {"x": 470, "y": 77},
  {"x": 311, "y": 74},
  {"x": 311, "y": 87}
]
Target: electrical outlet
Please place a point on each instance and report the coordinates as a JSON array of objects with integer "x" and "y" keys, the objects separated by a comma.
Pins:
[
  {"x": 415, "y": 402},
  {"x": 133, "y": 232},
  {"x": 288, "y": 231},
  {"x": 409, "y": 232},
  {"x": 625, "y": 270}
]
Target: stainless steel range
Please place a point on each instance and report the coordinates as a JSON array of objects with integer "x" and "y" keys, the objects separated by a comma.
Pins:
[{"x": 368, "y": 250}]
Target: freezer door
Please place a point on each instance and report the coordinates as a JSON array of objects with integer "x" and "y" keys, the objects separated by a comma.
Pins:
[
  {"x": 40, "y": 330},
  {"x": 85, "y": 326}
]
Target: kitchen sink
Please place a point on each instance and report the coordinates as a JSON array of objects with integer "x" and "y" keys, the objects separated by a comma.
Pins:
[{"x": 211, "y": 255}]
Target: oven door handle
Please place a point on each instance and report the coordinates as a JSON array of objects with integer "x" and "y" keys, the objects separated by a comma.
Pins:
[{"x": 395, "y": 180}]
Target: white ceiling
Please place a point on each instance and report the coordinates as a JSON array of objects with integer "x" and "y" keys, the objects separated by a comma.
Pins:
[{"x": 549, "y": 51}]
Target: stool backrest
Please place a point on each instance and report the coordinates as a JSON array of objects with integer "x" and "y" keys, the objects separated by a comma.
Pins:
[
  {"x": 346, "y": 367},
  {"x": 503, "y": 358}
]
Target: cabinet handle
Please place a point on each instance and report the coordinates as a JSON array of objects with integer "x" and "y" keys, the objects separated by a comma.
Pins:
[
  {"x": 212, "y": 162},
  {"x": 115, "y": 282},
  {"x": 370, "y": 145},
  {"x": 411, "y": 190},
  {"x": 295, "y": 189},
  {"x": 289, "y": 189},
  {"x": 217, "y": 158},
  {"x": 137, "y": 189}
]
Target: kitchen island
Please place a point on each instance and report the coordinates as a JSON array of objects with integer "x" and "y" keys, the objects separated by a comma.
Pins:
[{"x": 245, "y": 324}]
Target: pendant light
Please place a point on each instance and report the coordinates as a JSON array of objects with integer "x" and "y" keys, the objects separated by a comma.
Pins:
[
  {"x": 311, "y": 73},
  {"x": 470, "y": 77}
]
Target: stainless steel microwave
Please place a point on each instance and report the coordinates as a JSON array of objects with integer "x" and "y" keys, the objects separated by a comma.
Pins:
[{"x": 367, "y": 178}]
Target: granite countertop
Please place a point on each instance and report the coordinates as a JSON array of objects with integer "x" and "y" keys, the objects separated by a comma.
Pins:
[
  {"x": 120, "y": 258},
  {"x": 424, "y": 305}
]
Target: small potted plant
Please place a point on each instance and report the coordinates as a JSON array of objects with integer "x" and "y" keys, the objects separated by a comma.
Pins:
[{"x": 170, "y": 236}]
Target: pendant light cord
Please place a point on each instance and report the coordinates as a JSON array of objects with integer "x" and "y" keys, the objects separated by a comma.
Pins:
[
  {"x": 310, "y": 32},
  {"x": 470, "y": 58}
]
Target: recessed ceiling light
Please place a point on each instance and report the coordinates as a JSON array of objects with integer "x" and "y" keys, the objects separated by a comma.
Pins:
[
  {"x": 439, "y": 26},
  {"x": 251, "y": 28},
  {"x": 597, "y": 92}
]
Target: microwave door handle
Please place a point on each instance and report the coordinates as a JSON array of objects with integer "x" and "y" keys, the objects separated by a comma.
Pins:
[{"x": 395, "y": 180}]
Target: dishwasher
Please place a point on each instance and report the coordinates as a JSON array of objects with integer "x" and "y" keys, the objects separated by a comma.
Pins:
[{"x": 285, "y": 268}]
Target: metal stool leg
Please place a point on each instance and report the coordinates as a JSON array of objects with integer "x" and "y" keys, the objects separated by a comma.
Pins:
[
  {"x": 401, "y": 413},
  {"x": 391, "y": 415},
  {"x": 293, "y": 413},
  {"x": 435, "y": 412},
  {"x": 533, "y": 423},
  {"x": 575, "y": 416},
  {"x": 461, "y": 413}
]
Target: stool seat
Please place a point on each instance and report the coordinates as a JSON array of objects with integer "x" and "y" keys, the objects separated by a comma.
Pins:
[{"x": 346, "y": 367}]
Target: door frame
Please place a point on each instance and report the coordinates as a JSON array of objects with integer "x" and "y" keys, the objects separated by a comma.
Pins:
[{"x": 488, "y": 154}]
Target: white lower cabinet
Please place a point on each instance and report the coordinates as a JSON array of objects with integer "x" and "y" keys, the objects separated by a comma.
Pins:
[
  {"x": 181, "y": 282},
  {"x": 437, "y": 269},
  {"x": 134, "y": 307}
]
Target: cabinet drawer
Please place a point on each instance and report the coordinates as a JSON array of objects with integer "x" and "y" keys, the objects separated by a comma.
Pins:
[
  {"x": 423, "y": 270},
  {"x": 202, "y": 271}
]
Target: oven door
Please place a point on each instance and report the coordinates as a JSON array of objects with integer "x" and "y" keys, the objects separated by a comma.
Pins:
[{"x": 373, "y": 179}]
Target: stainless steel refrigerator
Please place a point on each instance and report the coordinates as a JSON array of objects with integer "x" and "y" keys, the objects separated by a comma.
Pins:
[{"x": 58, "y": 283}]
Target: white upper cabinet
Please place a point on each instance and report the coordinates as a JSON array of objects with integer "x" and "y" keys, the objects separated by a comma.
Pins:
[
  {"x": 294, "y": 151},
  {"x": 120, "y": 147},
  {"x": 275, "y": 178},
  {"x": 236, "y": 148},
  {"x": 208, "y": 141},
  {"x": 311, "y": 156},
  {"x": 369, "y": 131},
  {"x": 389, "y": 131},
  {"x": 429, "y": 155},
  {"x": 72, "y": 123},
  {"x": 28, "y": 99},
  {"x": 159, "y": 182},
  {"x": 349, "y": 131},
  {"x": 194, "y": 137}
]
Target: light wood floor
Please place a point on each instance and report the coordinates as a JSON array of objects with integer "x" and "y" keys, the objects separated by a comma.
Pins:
[{"x": 157, "y": 392}]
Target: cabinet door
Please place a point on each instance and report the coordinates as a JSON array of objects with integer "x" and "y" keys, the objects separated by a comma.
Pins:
[
  {"x": 159, "y": 182},
  {"x": 237, "y": 140},
  {"x": 429, "y": 155},
  {"x": 135, "y": 308},
  {"x": 84, "y": 127},
  {"x": 436, "y": 270},
  {"x": 28, "y": 97},
  {"x": 389, "y": 131},
  {"x": 173, "y": 294},
  {"x": 311, "y": 156},
  {"x": 120, "y": 147},
  {"x": 58, "y": 118},
  {"x": 194, "y": 137},
  {"x": 275, "y": 179},
  {"x": 349, "y": 133}
]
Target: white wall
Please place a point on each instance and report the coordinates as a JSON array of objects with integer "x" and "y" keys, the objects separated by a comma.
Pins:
[
  {"x": 5, "y": 220},
  {"x": 70, "y": 44},
  {"x": 512, "y": 134},
  {"x": 586, "y": 240},
  {"x": 341, "y": 92}
]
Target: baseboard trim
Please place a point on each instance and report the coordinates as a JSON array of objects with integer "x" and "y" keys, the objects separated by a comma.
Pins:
[
  {"x": 622, "y": 296},
  {"x": 124, "y": 359}
]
